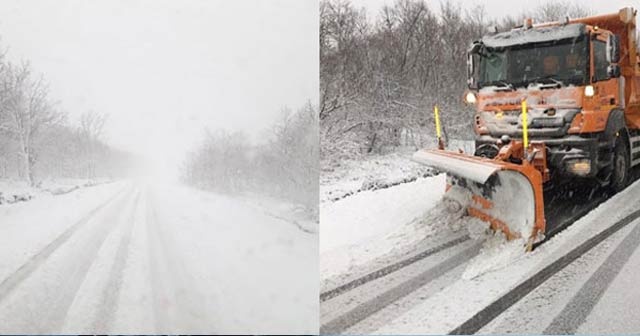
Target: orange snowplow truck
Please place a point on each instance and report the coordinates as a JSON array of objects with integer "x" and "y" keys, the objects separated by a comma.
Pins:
[{"x": 554, "y": 102}]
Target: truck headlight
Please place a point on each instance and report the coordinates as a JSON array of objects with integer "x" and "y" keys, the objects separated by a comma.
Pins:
[
  {"x": 579, "y": 167},
  {"x": 589, "y": 91},
  {"x": 470, "y": 98}
]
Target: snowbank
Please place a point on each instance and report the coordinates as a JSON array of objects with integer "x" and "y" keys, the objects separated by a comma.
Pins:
[
  {"x": 12, "y": 191},
  {"x": 371, "y": 224},
  {"x": 350, "y": 177},
  {"x": 297, "y": 215}
]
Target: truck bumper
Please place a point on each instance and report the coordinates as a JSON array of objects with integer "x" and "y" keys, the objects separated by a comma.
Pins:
[{"x": 564, "y": 153}]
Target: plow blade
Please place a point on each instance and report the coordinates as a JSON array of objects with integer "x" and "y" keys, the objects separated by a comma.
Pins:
[{"x": 507, "y": 196}]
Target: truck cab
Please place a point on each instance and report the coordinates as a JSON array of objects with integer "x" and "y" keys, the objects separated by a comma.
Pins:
[{"x": 581, "y": 82}]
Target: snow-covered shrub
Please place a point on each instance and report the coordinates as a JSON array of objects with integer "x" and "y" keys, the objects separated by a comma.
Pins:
[{"x": 284, "y": 165}]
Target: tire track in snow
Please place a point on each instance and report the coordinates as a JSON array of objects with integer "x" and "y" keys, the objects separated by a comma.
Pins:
[
  {"x": 576, "y": 311},
  {"x": 157, "y": 270},
  {"x": 389, "y": 269},
  {"x": 111, "y": 293},
  {"x": 176, "y": 303},
  {"x": 77, "y": 270},
  {"x": 24, "y": 271},
  {"x": 45, "y": 300},
  {"x": 366, "y": 309},
  {"x": 493, "y": 310}
]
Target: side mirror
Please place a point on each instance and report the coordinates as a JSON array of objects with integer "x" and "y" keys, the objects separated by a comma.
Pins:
[
  {"x": 613, "y": 48},
  {"x": 474, "y": 51},
  {"x": 613, "y": 71},
  {"x": 475, "y": 47},
  {"x": 471, "y": 82}
]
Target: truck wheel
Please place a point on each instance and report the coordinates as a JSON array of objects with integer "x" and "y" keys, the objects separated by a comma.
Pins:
[{"x": 620, "y": 171}]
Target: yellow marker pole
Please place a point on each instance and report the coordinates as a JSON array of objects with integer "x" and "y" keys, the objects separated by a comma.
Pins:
[
  {"x": 436, "y": 115},
  {"x": 525, "y": 132}
]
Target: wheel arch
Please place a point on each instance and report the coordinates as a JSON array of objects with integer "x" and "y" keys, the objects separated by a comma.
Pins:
[{"x": 616, "y": 126}]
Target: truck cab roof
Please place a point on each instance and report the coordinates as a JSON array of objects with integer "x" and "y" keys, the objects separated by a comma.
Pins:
[{"x": 521, "y": 36}]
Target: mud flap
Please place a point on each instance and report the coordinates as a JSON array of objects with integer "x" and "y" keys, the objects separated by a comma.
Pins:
[{"x": 505, "y": 195}]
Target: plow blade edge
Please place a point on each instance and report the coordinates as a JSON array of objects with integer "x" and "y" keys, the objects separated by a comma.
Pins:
[{"x": 507, "y": 196}]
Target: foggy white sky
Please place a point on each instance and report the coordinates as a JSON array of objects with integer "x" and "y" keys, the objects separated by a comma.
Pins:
[
  {"x": 500, "y": 8},
  {"x": 163, "y": 70}
]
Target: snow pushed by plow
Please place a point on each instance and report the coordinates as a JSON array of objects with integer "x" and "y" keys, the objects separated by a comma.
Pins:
[
  {"x": 496, "y": 253},
  {"x": 365, "y": 231}
]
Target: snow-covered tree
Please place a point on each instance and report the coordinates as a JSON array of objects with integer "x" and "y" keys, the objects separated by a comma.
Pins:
[
  {"x": 28, "y": 111},
  {"x": 284, "y": 165}
]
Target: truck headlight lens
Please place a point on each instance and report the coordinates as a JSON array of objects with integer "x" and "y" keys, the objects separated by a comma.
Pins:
[
  {"x": 589, "y": 91},
  {"x": 470, "y": 98},
  {"x": 579, "y": 167}
]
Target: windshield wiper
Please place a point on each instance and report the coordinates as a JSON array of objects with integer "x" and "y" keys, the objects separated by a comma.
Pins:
[
  {"x": 548, "y": 79},
  {"x": 501, "y": 85}
]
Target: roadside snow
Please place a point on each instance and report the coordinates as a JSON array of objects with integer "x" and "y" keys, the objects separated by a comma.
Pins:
[
  {"x": 297, "y": 215},
  {"x": 349, "y": 177},
  {"x": 14, "y": 191},
  {"x": 371, "y": 224}
]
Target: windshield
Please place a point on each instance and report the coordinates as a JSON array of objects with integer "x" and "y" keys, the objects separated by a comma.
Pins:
[{"x": 554, "y": 62}]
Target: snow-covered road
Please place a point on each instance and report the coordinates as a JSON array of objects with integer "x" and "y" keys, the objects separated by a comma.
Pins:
[
  {"x": 462, "y": 285},
  {"x": 596, "y": 294},
  {"x": 135, "y": 257}
]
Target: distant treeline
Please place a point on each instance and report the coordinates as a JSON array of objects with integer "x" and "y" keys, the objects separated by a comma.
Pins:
[
  {"x": 380, "y": 77},
  {"x": 37, "y": 140},
  {"x": 284, "y": 165}
]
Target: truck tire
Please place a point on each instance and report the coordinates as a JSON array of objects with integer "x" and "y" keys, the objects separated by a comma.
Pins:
[{"x": 620, "y": 169}]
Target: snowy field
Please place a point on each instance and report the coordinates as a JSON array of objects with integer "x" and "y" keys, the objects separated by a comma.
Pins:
[{"x": 136, "y": 257}]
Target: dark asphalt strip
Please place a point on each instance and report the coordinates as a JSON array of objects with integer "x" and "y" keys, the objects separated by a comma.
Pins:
[
  {"x": 581, "y": 305},
  {"x": 389, "y": 269},
  {"x": 359, "y": 313},
  {"x": 496, "y": 308}
]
